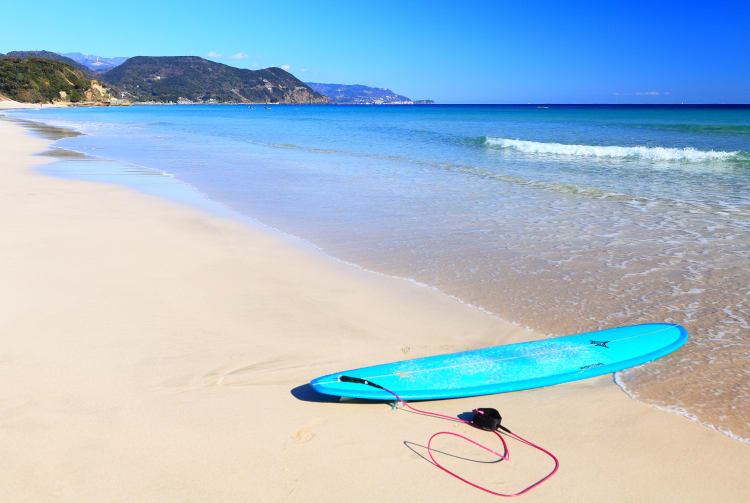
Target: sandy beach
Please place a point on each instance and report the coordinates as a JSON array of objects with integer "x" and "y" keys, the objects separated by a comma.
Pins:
[{"x": 153, "y": 352}]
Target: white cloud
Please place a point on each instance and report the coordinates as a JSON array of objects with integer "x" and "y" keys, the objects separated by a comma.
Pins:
[
  {"x": 239, "y": 55},
  {"x": 286, "y": 67},
  {"x": 254, "y": 65},
  {"x": 303, "y": 70},
  {"x": 214, "y": 54},
  {"x": 644, "y": 93}
]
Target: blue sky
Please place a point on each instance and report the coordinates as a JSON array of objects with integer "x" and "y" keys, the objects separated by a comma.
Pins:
[{"x": 452, "y": 52}]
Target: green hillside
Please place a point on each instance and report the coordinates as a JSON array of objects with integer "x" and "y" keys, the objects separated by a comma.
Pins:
[
  {"x": 36, "y": 80},
  {"x": 175, "y": 78},
  {"x": 50, "y": 55}
]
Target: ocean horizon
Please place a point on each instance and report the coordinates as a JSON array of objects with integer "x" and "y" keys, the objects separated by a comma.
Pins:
[{"x": 562, "y": 218}]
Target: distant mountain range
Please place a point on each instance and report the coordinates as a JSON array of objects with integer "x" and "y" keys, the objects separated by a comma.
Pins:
[
  {"x": 191, "y": 79},
  {"x": 184, "y": 79},
  {"x": 96, "y": 63},
  {"x": 357, "y": 94}
]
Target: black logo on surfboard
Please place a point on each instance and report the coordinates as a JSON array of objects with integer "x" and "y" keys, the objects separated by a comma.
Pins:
[
  {"x": 602, "y": 344},
  {"x": 591, "y": 366}
]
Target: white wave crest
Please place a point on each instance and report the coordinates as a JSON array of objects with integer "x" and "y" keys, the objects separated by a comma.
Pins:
[{"x": 651, "y": 153}]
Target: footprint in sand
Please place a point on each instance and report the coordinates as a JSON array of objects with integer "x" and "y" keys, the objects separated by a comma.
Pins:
[{"x": 303, "y": 435}]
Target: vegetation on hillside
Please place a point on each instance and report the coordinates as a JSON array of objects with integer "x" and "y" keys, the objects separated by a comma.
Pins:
[
  {"x": 193, "y": 79},
  {"x": 50, "y": 55},
  {"x": 36, "y": 80},
  {"x": 176, "y": 78}
]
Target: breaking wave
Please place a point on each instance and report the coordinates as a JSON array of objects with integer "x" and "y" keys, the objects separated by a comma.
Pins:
[{"x": 641, "y": 152}]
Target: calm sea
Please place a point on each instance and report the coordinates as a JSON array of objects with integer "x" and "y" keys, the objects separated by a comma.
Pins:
[{"x": 564, "y": 219}]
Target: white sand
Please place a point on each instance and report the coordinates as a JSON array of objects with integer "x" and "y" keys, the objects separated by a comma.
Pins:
[
  {"x": 10, "y": 104},
  {"x": 149, "y": 351}
]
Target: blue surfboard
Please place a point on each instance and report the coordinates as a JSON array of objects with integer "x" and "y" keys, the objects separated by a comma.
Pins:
[{"x": 512, "y": 367}]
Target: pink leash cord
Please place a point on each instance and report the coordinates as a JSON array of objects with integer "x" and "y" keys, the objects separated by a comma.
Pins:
[{"x": 505, "y": 456}]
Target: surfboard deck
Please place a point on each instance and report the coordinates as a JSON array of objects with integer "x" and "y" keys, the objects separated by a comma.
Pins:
[{"x": 512, "y": 367}]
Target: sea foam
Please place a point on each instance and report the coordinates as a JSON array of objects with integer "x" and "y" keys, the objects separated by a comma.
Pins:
[{"x": 653, "y": 153}]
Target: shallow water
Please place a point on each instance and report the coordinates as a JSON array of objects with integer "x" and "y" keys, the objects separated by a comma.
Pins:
[{"x": 563, "y": 219}]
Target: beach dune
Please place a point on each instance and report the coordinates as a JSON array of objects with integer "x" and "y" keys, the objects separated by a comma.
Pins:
[{"x": 151, "y": 352}]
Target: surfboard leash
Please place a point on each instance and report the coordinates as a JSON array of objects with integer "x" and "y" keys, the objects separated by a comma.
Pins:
[{"x": 485, "y": 419}]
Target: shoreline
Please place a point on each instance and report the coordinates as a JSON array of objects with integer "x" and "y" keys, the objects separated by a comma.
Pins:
[
  {"x": 161, "y": 349},
  {"x": 205, "y": 203},
  {"x": 228, "y": 212}
]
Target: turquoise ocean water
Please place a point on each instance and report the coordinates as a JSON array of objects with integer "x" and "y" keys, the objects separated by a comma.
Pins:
[{"x": 564, "y": 219}]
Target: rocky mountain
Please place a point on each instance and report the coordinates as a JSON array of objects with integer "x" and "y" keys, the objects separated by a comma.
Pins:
[
  {"x": 193, "y": 79},
  {"x": 357, "y": 94},
  {"x": 96, "y": 63},
  {"x": 37, "y": 80},
  {"x": 49, "y": 55}
]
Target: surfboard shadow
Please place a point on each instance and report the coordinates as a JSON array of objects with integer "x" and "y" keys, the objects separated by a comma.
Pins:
[{"x": 306, "y": 393}]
